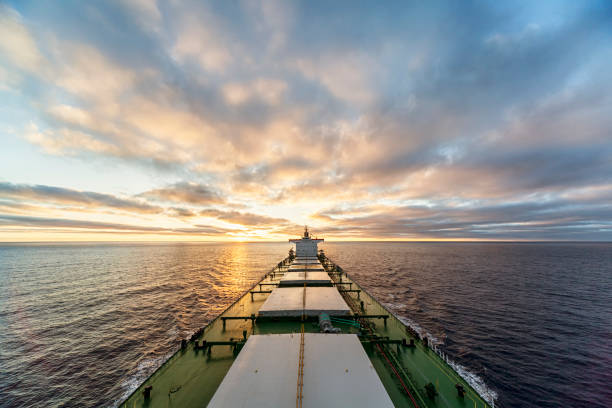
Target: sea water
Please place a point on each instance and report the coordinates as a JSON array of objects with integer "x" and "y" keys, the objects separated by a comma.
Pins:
[{"x": 528, "y": 324}]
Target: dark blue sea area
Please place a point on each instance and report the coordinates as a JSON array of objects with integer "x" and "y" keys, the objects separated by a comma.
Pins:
[{"x": 82, "y": 324}]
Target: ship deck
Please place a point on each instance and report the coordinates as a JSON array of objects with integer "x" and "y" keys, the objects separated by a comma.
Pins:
[{"x": 404, "y": 363}]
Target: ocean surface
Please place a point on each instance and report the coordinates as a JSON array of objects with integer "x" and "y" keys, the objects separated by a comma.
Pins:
[{"x": 81, "y": 325}]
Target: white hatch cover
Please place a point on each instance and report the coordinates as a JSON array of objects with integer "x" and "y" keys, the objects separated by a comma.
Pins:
[
  {"x": 290, "y": 302},
  {"x": 296, "y": 278},
  {"x": 303, "y": 268},
  {"x": 306, "y": 261},
  {"x": 337, "y": 373},
  {"x": 306, "y": 264}
]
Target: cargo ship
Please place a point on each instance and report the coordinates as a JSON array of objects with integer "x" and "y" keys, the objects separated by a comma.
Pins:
[{"x": 306, "y": 335}]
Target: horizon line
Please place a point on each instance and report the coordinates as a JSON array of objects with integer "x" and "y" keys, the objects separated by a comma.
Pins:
[{"x": 279, "y": 241}]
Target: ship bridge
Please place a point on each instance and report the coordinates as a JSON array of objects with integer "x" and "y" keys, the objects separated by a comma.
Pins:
[{"x": 306, "y": 247}]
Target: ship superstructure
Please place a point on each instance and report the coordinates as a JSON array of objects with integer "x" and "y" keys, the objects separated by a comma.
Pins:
[
  {"x": 306, "y": 247},
  {"x": 306, "y": 335}
]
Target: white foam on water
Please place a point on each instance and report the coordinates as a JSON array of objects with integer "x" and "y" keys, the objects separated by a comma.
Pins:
[
  {"x": 475, "y": 382},
  {"x": 412, "y": 324},
  {"x": 144, "y": 369},
  {"x": 173, "y": 332}
]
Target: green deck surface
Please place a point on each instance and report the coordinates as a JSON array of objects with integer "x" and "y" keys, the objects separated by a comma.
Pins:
[{"x": 190, "y": 377}]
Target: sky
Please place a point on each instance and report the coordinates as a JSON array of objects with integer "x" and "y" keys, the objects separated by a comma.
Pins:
[{"x": 245, "y": 120}]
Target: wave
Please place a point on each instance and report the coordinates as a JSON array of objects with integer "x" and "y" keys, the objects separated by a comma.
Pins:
[{"x": 475, "y": 382}]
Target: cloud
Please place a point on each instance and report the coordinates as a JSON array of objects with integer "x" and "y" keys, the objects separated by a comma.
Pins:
[
  {"x": 552, "y": 220},
  {"x": 181, "y": 212},
  {"x": 346, "y": 76},
  {"x": 201, "y": 39},
  {"x": 184, "y": 192},
  {"x": 266, "y": 90},
  {"x": 17, "y": 44},
  {"x": 41, "y": 222},
  {"x": 92, "y": 75},
  {"x": 69, "y": 142},
  {"x": 58, "y": 195},
  {"x": 244, "y": 218},
  {"x": 146, "y": 13}
]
